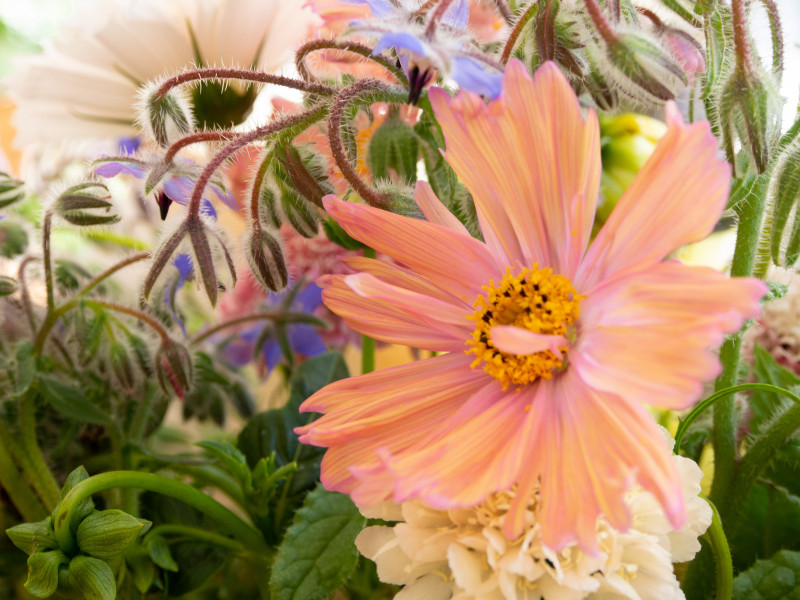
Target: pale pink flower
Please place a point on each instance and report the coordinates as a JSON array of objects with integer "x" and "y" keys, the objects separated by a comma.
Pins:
[{"x": 550, "y": 346}]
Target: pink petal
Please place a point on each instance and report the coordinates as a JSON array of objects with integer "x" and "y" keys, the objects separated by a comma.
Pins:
[
  {"x": 434, "y": 210},
  {"x": 532, "y": 163},
  {"x": 649, "y": 337},
  {"x": 675, "y": 199},
  {"x": 386, "y": 322},
  {"x": 516, "y": 340},
  {"x": 457, "y": 263}
]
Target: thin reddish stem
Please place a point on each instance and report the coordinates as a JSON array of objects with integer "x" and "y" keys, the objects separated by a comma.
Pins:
[
  {"x": 243, "y": 75},
  {"x": 601, "y": 24},
  {"x": 516, "y": 31},
  {"x": 197, "y": 138}
]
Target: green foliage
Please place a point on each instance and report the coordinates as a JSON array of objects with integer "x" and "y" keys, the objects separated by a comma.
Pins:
[
  {"x": 43, "y": 568},
  {"x": 109, "y": 533},
  {"x": 394, "y": 147},
  {"x": 777, "y": 578},
  {"x": 13, "y": 239},
  {"x": 318, "y": 552},
  {"x": 93, "y": 577},
  {"x": 70, "y": 401},
  {"x": 766, "y": 404},
  {"x": 33, "y": 537}
]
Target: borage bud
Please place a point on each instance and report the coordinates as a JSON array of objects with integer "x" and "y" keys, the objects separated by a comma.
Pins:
[
  {"x": 107, "y": 534},
  {"x": 13, "y": 239},
  {"x": 306, "y": 171},
  {"x": 33, "y": 537},
  {"x": 639, "y": 68},
  {"x": 265, "y": 257},
  {"x": 86, "y": 204},
  {"x": 750, "y": 110},
  {"x": 8, "y": 285},
  {"x": 174, "y": 368},
  {"x": 43, "y": 568},
  {"x": 93, "y": 577},
  {"x": 165, "y": 118},
  {"x": 121, "y": 365},
  {"x": 394, "y": 150},
  {"x": 11, "y": 190},
  {"x": 785, "y": 191},
  {"x": 297, "y": 191}
]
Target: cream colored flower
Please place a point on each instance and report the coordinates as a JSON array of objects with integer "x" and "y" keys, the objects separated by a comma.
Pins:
[
  {"x": 462, "y": 554},
  {"x": 84, "y": 84}
]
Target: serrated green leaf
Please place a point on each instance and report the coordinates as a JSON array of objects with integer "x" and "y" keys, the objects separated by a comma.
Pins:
[
  {"x": 318, "y": 552},
  {"x": 158, "y": 549},
  {"x": 70, "y": 402},
  {"x": 231, "y": 457},
  {"x": 43, "y": 569},
  {"x": 775, "y": 579}
]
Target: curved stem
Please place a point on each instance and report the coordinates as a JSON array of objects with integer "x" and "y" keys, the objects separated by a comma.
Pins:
[
  {"x": 515, "y": 33},
  {"x": 291, "y": 123},
  {"x": 43, "y": 481},
  {"x": 48, "y": 266},
  {"x": 153, "y": 323},
  {"x": 133, "y": 258},
  {"x": 261, "y": 316},
  {"x": 226, "y": 519},
  {"x": 243, "y": 75},
  {"x": 740, "y": 43},
  {"x": 22, "y": 497},
  {"x": 722, "y": 554},
  {"x": 212, "y": 476},
  {"x": 196, "y": 533},
  {"x": 504, "y": 10},
  {"x": 348, "y": 94},
  {"x": 344, "y": 46},
  {"x": 605, "y": 30},
  {"x": 774, "y": 17},
  {"x": 197, "y": 138},
  {"x": 702, "y": 406}
]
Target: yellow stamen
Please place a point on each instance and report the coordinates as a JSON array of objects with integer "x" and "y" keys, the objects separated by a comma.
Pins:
[{"x": 535, "y": 299}]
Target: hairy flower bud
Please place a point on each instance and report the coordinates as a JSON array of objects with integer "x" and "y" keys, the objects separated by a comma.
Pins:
[
  {"x": 784, "y": 190},
  {"x": 173, "y": 368},
  {"x": 165, "y": 118},
  {"x": 109, "y": 533},
  {"x": 394, "y": 149},
  {"x": 8, "y": 285},
  {"x": 11, "y": 190},
  {"x": 86, "y": 204},
  {"x": 265, "y": 257},
  {"x": 305, "y": 171}
]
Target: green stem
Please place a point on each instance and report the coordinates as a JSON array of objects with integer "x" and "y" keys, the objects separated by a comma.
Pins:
[
  {"x": 44, "y": 481},
  {"x": 515, "y": 33},
  {"x": 22, "y": 461},
  {"x": 133, "y": 258},
  {"x": 226, "y": 519},
  {"x": 48, "y": 265},
  {"x": 276, "y": 316},
  {"x": 198, "y": 534},
  {"x": 23, "y": 498},
  {"x": 367, "y": 343},
  {"x": 209, "y": 475},
  {"x": 725, "y": 422},
  {"x": 722, "y": 555}
]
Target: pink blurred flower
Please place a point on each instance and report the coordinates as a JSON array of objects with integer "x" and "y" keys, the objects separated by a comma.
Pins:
[{"x": 550, "y": 346}]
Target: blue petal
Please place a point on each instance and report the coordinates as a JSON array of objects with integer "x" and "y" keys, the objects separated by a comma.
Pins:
[
  {"x": 179, "y": 189},
  {"x": 400, "y": 39},
  {"x": 183, "y": 262},
  {"x": 238, "y": 352},
  {"x": 457, "y": 14},
  {"x": 207, "y": 209},
  {"x": 272, "y": 354},
  {"x": 470, "y": 75},
  {"x": 379, "y": 8},
  {"x": 309, "y": 299},
  {"x": 304, "y": 339},
  {"x": 224, "y": 196},
  {"x": 128, "y": 145},
  {"x": 169, "y": 296},
  {"x": 113, "y": 168}
]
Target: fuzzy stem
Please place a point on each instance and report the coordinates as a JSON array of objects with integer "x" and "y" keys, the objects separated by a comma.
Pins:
[
  {"x": 740, "y": 43},
  {"x": 722, "y": 555},
  {"x": 436, "y": 17},
  {"x": 344, "y": 46},
  {"x": 684, "y": 14},
  {"x": 226, "y": 519},
  {"x": 43, "y": 479},
  {"x": 197, "y": 138},
  {"x": 144, "y": 318},
  {"x": 242, "y": 75},
  {"x": 504, "y": 10},
  {"x": 23, "y": 498},
  {"x": 517, "y": 30},
  {"x": 133, "y": 258},
  {"x": 26, "y": 297},
  {"x": 48, "y": 266},
  {"x": 196, "y": 533},
  {"x": 295, "y": 122},
  {"x": 777, "y": 36},
  {"x": 261, "y": 316},
  {"x": 347, "y": 95},
  {"x": 601, "y": 24},
  {"x": 725, "y": 422}
]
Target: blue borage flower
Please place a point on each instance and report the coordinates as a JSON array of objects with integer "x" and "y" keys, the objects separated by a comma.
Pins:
[
  {"x": 173, "y": 185},
  {"x": 446, "y": 50},
  {"x": 302, "y": 337}
]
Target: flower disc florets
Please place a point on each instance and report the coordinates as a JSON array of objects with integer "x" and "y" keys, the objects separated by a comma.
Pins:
[{"x": 534, "y": 299}]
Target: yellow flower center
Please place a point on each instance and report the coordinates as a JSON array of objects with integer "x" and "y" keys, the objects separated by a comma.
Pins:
[{"x": 534, "y": 299}]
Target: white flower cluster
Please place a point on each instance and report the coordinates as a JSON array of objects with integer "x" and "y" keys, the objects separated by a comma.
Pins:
[{"x": 462, "y": 554}]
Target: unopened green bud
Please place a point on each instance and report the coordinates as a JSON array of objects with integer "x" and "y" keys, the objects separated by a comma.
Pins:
[
  {"x": 108, "y": 533},
  {"x": 265, "y": 257},
  {"x": 86, "y": 204},
  {"x": 33, "y": 537},
  {"x": 8, "y": 285},
  {"x": 749, "y": 112},
  {"x": 43, "y": 570},
  {"x": 394, "y": 149},
  {"x": 305, "y": 171},
  {"x": 13, "y": 239},
  {"x": 11, "y": 190},
  {"x": 166, "y": 118},
  {"x": 93, "y": 577},
  {"x": 174, "y": 368},
  {"x": 86, "y": 507},
  {"x": 785, "y": 189},
  {"x": 400, "y": 199}
]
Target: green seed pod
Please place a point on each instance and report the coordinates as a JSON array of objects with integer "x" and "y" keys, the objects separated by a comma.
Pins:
[
  {"x": 8, "y": 285},
  {"x": 108, "y": 533},
  {"x": 265, "y": 257},
  {"x": 33, "y": 537},
  {"x": 11, "y": 190},
  {"x": 93, "y": 577},
  {"x": 43, "y": 570},
  {"x": 174, "y": 368}
]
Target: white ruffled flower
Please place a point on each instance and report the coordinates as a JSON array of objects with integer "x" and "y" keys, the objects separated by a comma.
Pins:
[
  {"x": 84, "y": 84},
  {"x": 462, "y": 554}
]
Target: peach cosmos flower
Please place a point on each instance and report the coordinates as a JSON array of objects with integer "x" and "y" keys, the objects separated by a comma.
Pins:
[{"x": 550, "y": 346}]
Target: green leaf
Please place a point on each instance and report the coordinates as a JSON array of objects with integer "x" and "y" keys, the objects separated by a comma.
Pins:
[
  {"x": 26, "y": 366},
  {"x": 141, "y": 568},
  {"x": 33, "y": 537},
  {"x": 231, "y": 457},
  {"x": 86, "y": 507},
  {"x": 318, "y": 552},
  {"x": 775, "y": 579},
  {"x": 93, "y": 577},
  {"x": 159, "y": 552},
  {"x": 765, "y": 404},
  {"x": 43, "y": 569},
  {"x": 71, "y": 402}
]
